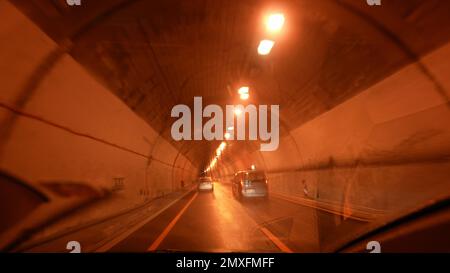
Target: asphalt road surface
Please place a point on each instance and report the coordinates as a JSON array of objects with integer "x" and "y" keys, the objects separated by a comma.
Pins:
[
  {"x": 211, "y": 222},
  {"x": 216, "y": 222}
]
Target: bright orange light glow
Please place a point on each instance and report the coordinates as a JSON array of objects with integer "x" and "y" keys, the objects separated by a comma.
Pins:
[
  {"x": 230, "y": 128},
  {"x": 222, "y": 145},
  {"x": 220, "y": 149},
  {"x": 275, "y": 22},
  {"x": 253, "y": 167},
  {"x": 265, "y": 46},
  {"x": 243, "y": 90},
  {"x": 227, "y": 135},
  {"x": 213, "y": 162},
  {"x": 237, "y": 112},
  {"x": 244, "y": 96}
]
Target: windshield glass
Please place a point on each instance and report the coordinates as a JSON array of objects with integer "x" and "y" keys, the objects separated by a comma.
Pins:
[{"x": 125, "y": 111}]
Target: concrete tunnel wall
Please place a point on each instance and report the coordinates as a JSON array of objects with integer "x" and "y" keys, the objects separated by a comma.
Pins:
[
  {"x": 59, "y": 124},
  {"x": 383, "y": 151},
  {"x": 359, "y": 156}
]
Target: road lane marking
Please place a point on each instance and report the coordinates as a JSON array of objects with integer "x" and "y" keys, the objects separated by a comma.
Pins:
[
  {"x": 169, "y": 227},
  {"x": 122, "y": 236},
  {"x": 276, "y": 241}
]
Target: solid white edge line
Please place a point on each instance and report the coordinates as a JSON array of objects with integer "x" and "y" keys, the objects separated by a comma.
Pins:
[{"x": 111, "y": 243}]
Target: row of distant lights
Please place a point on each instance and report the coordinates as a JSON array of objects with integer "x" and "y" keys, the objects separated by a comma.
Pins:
[
  {"x": 219, "y": 151},
  {"x": 274, "y": 23}
]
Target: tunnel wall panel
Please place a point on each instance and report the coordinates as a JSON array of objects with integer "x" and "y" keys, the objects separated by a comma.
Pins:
[
  {"x": 60, "y": 124},
  {"x": 367, "y": 152}
]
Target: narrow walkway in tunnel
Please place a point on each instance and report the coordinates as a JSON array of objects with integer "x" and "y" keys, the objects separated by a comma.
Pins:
[{"x": 223, "y": 125}]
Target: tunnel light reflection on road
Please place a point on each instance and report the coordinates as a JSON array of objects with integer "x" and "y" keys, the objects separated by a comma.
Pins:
[{"x": 265, "y": 46}]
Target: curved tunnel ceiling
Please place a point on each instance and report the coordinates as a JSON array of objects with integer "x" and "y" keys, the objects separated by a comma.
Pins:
[{"x": 155, "y": 55}]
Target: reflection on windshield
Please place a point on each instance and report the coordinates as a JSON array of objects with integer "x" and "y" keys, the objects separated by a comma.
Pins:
[{"x": 117, "y": 114}]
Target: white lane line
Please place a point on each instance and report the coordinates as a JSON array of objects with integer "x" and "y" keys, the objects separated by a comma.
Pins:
[
  {"x": 268, "y": 234},
  {"x": 111, "y": 243},
  {"x": 172, "y": 223},
  {"x": 276, "y": 240}
]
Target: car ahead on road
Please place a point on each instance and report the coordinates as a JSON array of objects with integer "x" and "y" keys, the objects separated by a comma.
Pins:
[
  {"x": 205, "y": 184},
  {"x": 250, "y": 184}
]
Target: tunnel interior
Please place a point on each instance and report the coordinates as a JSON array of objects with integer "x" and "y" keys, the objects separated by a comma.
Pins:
[{"x": 363, "y": 96}]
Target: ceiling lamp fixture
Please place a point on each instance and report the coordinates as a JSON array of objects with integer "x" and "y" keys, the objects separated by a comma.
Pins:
[
  {"x": 244, "y": 96},
  {"x": 244, "y": 92},
  {"x": 265, "y": 46},
  {"x": 275, "y": 22}
]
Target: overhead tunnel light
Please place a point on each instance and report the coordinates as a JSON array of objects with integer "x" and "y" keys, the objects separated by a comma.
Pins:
[
  {"x": 265, "y": 46},
  {"x": 222, "y": 146},
  {"x": 244, "y": 92},
  {"x": 244, "y": 96},
  {"x": 275, "y": 22}
]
